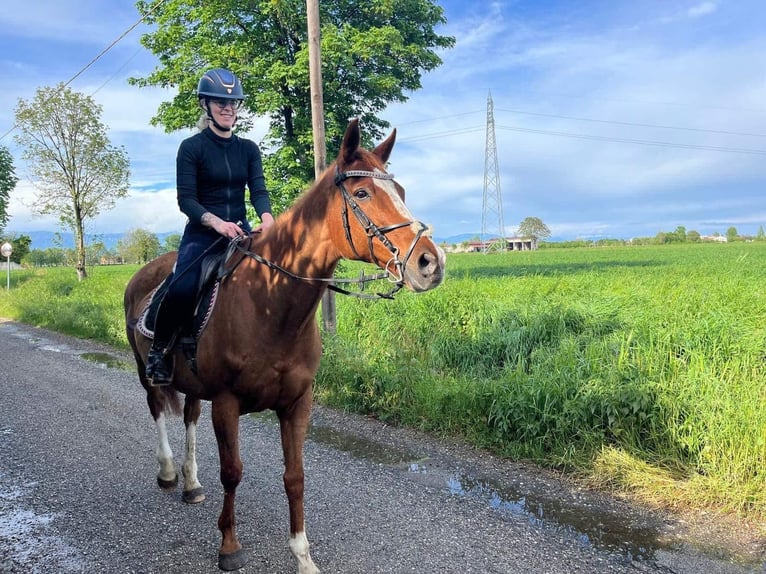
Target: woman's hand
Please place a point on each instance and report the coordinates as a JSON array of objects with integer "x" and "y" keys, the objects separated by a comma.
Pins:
[
  {"x": 266, "y": 221},
  {"x": 228, "y": 229}
]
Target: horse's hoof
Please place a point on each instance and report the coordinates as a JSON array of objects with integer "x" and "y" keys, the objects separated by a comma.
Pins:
[
  {"x": 167, "y": 484},
  {"x": 193, "y": 496},
  {"x": 233, "y": 561}
]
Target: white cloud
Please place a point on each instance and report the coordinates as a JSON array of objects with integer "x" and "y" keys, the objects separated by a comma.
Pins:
[{"x": 702, "y": 9}]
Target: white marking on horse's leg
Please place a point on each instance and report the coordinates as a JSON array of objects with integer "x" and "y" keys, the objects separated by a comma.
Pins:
[
  {"x": 164, "y": 454},
  {"x": 190, "y": 459},
  {"x": 299, "y": 546}
]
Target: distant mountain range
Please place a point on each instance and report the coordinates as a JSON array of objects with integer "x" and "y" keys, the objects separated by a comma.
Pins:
[{"x": 47, "y": 239}]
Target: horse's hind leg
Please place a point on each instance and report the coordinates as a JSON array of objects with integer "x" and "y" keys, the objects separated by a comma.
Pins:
[
  {"x": 293, "y": 424},
  {"x": 167, "y": 477},
  {"x": 192, "y": 492}
]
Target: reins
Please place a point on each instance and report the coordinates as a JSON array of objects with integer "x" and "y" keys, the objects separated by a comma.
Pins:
[{"x": 372, "y": 231}]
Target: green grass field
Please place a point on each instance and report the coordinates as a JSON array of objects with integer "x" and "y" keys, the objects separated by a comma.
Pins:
[{"x": 638, "y": 369}]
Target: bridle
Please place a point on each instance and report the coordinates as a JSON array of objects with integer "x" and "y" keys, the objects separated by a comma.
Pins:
[{"x": 373, "y": 232}]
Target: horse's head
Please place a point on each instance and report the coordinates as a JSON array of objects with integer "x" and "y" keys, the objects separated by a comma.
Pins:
[{"x": 377, "y": 227}]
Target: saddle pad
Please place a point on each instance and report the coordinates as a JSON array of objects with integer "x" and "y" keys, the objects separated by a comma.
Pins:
[{"x": 148, "y": 318}]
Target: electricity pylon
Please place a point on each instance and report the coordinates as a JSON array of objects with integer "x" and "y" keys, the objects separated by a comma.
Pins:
[{"x": 492, "y": 209}]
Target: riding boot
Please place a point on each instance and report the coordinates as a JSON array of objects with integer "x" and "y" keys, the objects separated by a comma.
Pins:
[{"x": 159, "y": 365}]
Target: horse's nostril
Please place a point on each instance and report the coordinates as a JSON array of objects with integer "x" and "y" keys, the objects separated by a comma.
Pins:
[{"x": 427, "y": 263}]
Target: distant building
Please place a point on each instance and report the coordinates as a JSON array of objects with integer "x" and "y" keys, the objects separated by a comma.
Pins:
[
  {"x": 511, "y": 244},
  {"x": 719, "y": 238}
]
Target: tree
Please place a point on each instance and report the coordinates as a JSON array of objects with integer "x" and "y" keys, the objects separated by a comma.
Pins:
[
  {"x": 172, "y": 242},
  {"x": 693, "y": 236},
  {"x": 7, "y": 183},
  {"x": 372, "y": 53},
  {"x": 138, "y": 246},
  {"x": 79, "y": 174},
  {"x": 731, "y": 234},
  {"x": 534, "y": 228},
  {"x": 98, "y": 253},
  {"x": 760, "y": 236},
  {"x": 49, "y": 257}
]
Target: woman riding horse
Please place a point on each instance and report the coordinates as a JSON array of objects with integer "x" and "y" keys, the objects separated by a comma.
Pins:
[{"x": 212, "y": 168}]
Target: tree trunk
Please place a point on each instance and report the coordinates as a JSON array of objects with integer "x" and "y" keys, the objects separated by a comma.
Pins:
[{"x": 80, "y": 250}]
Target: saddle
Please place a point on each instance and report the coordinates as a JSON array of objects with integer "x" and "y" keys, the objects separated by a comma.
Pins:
[{"x": 214, "y": 270}]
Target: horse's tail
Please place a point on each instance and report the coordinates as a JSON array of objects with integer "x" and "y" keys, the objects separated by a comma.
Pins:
[{"x": 171, "y": 400}]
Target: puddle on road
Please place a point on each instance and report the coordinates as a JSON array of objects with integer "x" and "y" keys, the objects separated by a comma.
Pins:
[
  {"x": 359, "y": 447},
  {"x": 104, "y": 360},
  {"x": 590, "y": 527},
  {"x": 107, "y": 361},
  {"x": 603, "y": 530}
]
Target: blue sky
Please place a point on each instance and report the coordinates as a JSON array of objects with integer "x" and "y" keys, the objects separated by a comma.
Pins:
[{"x": 612, "y": 118}]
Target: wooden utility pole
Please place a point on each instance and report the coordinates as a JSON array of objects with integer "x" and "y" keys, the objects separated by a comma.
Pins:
[{"x": 317, "y": 125}]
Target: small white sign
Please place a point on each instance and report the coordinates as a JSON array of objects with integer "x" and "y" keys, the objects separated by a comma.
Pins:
[{"x": 6, "y": 249}]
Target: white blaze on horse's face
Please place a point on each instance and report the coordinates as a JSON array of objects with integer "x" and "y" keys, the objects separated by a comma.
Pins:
[{"x": 389, "y": 187}]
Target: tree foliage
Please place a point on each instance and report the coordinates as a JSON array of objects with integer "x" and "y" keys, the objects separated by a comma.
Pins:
[
  {"x": 171, "y": 243},
  {"x": 533, "y": 227},
  {"x": 372, "y": 54},
  {"x": 138, "y": 246},
  {"x": 8, "y": 181},
  {"x": 731, "y": 234},
  {"x": 78, "y": 172}
]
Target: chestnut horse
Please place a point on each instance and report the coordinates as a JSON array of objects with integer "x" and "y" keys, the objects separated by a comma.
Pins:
[{"x": 261, "y": 346}]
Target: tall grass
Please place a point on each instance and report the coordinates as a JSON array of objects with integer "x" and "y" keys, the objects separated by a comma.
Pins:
[
  {"x": 53, "y": 298},
  {"x": 638, "y": 368},
  {"x": 600, "y": 361}
]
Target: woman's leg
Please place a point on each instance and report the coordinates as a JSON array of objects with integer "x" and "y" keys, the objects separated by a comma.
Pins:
[{"x": 178, "y": 303}]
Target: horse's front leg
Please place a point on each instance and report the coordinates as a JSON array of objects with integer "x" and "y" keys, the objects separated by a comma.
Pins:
[
  {"x": 231, "y": 555},
  {"x": 192, "y": 493},
  {"x": 293, "y": 423}
]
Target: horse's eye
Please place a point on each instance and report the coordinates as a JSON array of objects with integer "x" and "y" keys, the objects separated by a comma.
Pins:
[{"x": 361, "y": 194}]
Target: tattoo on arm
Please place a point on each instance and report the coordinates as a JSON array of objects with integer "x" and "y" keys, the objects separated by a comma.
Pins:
[{"x": 209, "y": 220}]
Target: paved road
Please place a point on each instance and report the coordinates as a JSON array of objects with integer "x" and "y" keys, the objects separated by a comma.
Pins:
[{"x": 78, "y": 494}]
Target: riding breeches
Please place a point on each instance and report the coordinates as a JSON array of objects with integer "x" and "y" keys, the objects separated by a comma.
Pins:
[{"x": 177, "y": 306}]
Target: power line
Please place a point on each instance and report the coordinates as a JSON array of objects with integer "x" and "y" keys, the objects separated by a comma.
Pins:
[
  {"x": 104, "y": 51},
  {"x": 447, "y": 133},
  {"x": 632, "y": 124},
  {"x": 635, "y": 141},
  {"x": 472, "y": 129}
]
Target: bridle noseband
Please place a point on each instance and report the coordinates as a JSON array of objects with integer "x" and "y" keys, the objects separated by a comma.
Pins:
[{"x": 372, "y": 231}]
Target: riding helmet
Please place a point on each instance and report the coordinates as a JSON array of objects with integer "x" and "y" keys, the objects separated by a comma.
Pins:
[{"x": 220, "y": 83}]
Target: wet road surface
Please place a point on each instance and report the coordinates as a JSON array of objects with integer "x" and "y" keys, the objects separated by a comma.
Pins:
[{"x": 78, "y": 492}]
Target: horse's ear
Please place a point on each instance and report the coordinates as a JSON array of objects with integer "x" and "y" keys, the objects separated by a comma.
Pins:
[
  {"x": 351, "y": 141},
  {"x": 383, "y": 150}
]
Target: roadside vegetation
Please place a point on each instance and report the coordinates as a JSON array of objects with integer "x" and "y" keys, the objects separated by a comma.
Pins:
[{"x": 638, "y": 369}]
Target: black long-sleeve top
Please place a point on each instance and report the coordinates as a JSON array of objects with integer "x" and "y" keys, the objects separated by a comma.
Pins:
[{"x": 211, "y": 174}]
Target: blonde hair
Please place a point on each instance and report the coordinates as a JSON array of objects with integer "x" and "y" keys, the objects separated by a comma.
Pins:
[{"x": 203, "y": 122}]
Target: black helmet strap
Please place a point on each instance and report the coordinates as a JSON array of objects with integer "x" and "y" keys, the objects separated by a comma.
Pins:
[{"x": 212, "y": 119}]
